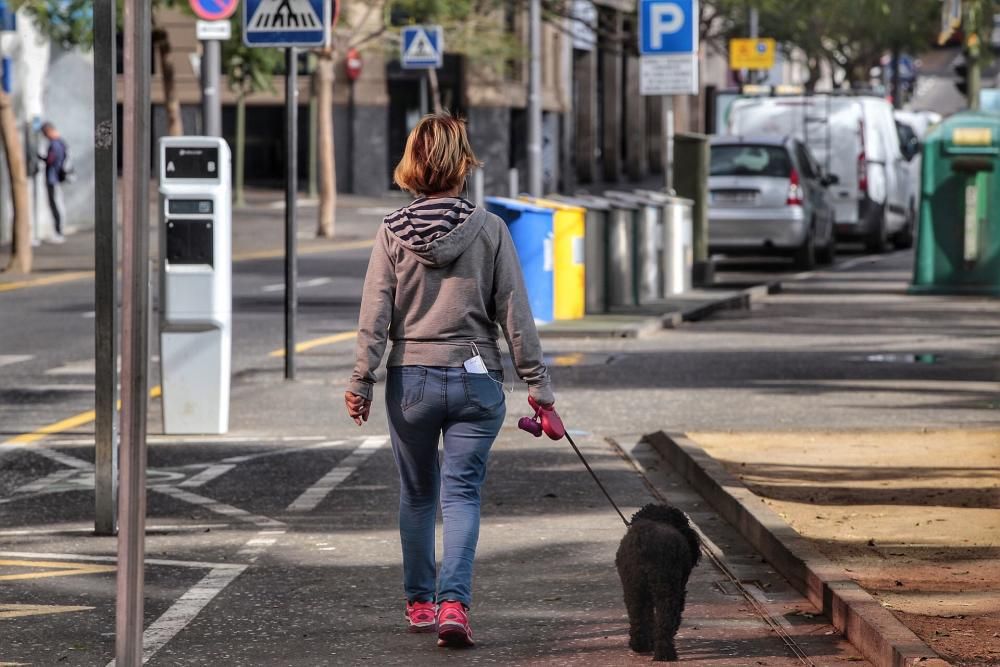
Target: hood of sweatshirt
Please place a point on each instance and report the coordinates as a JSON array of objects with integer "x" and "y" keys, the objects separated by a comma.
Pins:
[{"x": 436, "y": 231}]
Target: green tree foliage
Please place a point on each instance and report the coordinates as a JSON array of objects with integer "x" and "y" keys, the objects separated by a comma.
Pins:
[{"x": 68, "y": 23}]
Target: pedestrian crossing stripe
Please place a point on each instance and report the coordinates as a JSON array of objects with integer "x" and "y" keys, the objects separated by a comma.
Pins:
[{"x": 285, "y": 15}]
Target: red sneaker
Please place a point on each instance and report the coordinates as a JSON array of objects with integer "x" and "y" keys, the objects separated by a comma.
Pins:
[
  {"x": 453, "y": 624},
  {"x": 421, "y": 616}
]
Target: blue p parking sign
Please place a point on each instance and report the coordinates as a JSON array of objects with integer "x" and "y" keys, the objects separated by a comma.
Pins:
[
  {"x": 286, "y": 23},
  {"x": 667, "y": 26},
  {"x": 668, "y": 46}
]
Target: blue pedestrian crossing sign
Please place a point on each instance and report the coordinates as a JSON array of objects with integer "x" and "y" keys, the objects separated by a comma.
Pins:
[
  {"x": 422, "y": 47},
  {"x": 286, "y": 23}
]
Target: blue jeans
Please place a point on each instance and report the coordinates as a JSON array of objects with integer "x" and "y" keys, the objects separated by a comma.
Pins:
[{"x": 468, "y": 409}]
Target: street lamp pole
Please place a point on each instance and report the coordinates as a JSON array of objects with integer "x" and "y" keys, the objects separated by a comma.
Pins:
[{"x": 534, "y": 106}]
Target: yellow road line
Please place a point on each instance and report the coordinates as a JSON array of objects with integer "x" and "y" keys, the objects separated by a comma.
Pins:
[
  {"x": 19, "y": 610},
  {"x": 67, "y": 424},
  {"x": 46, "y": 280},
  {"x": 52, "y": 569},
  {"x": 309, "y": 250},
  {"x": 240, "y": 257},
  {"x": 317, "y": 342}
]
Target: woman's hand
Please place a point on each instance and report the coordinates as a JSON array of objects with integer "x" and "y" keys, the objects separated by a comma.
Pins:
[{"x": 358, "y": 407}]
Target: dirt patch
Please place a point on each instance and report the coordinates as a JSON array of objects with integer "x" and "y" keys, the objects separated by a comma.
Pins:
[{"x": 912, "y": 516}]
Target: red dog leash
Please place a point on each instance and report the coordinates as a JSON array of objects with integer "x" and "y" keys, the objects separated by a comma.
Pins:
[{"x": 547, "y": 420}]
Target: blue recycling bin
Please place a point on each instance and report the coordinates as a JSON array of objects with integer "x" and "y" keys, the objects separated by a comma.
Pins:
[{"x": 531, "y": 228}]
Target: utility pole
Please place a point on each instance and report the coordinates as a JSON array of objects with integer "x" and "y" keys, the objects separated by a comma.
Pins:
[
  {"x": 105, "y": 271},
  {"x": 135, "y": 334},
  {"x": 754, "y": 28},
  {"x": 534, "y": 106}
]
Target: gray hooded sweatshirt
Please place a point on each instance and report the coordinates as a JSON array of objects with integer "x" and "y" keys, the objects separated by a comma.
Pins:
[{"x": 442, "y": 275}]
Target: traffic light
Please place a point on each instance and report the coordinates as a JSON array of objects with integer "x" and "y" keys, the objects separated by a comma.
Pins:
[{"x": 962, "y": 72}]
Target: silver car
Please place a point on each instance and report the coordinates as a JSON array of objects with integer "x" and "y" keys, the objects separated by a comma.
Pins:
[{"x": 768, "y": 196}]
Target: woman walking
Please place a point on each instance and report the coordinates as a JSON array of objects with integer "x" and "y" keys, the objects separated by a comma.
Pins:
[{"x": 442, "y": 276}]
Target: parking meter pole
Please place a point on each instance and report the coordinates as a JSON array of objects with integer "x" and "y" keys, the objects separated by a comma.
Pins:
[
  {"x": 211, "y": 105},
  {"x": 135, "y": 334},
  {"x": 667, "y": 138},
  {"x": 692, "y": 151},
  {"x": 105, "y": 264},
  {"x": 291, "y": 185}
]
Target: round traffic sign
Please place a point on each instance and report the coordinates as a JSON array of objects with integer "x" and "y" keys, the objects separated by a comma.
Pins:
[
  {"x": 214, "y": 10},
  {"x": 353, "y": 64}
]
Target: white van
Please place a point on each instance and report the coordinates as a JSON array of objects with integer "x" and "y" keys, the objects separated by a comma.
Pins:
[{"x": 855, "y": 138}]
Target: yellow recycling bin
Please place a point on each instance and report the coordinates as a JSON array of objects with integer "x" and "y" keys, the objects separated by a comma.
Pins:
[{"x": 569, "y": 223}]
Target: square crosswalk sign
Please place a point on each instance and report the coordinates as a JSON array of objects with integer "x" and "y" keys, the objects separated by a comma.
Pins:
[
  {"x": 422, "y": 47},
  {"x": 286, "y": 23}
]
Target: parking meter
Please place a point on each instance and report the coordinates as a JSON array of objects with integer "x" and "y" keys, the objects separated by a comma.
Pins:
[{"x": 195, "y": 283}]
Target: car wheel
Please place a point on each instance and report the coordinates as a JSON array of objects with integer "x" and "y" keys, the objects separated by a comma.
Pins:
[
  {"x": 904, "y": 237},
  {"x": 828, "y": 253},
  {"x": 805, "y": 255},
  {"x": 877, "y": 240}
]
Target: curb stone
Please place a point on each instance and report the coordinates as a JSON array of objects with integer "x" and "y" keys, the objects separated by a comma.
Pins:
[
  {"x": 621, "y": 325},
  {"x": 871, "y": 628}
]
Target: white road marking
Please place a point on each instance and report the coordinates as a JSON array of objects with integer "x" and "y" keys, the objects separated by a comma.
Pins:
[
  {"x": 48, "y": 480},
  {"x": 90, "y": 529},
  {"x": 88, "y": 315},
  {"x": 82, "y": 367},
  {"x": 183, "y": 611},
  {"x": 257, "y": 545},
  {"x": 8, "y": 359},
  {"x": 315, "y": 494},
  {"x": 275, "y": 452},
  {"x": 280, "y": 287},
  {"x": 217, "y": 507},
  {"x": 53, "y": 455},
  {"x": 207, "y": 475}
]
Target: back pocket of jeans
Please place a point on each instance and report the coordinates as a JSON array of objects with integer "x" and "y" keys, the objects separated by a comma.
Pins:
[
  {"x": 406, "y": 385},
  {"x": 484, "y": 390}
]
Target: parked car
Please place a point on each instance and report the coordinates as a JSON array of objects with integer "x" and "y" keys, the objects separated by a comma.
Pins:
[
  {"x": 912, "y": 128},
  {"x": 855, "y": 138},
  {"x": 767, "y": 196}
]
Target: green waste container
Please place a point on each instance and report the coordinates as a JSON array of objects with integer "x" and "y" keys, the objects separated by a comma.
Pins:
[{"x": 958, "y": 242}]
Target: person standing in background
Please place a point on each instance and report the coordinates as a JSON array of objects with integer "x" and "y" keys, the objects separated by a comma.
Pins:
[{"x": 55, "y": 174}]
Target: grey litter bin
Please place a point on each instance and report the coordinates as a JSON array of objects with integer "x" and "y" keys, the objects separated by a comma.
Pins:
[
  {"x": 648, "y": 245},
  {"x": 678, "y": 241},
  {"x": 595, "y": 240}
]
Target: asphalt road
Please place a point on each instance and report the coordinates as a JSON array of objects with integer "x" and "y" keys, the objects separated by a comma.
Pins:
[{"x": 278, "y": 540}]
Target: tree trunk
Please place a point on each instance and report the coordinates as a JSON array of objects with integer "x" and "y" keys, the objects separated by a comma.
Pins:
[
  {"x": 323, "y": 90},
  {"x": 241, "y": 146},
  {"x": 21, "y": 257},
  {"x": 175, "y": 123},
  {"x": 435, "y": 89}
]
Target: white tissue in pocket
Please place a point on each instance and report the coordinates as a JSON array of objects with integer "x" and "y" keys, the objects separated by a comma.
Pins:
[{"x": 475, "y": 365}]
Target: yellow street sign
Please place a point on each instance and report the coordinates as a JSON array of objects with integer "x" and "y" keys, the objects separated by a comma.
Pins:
[
  {"x": 8, "y": 611},
  {"x": 749, "y": 53},
  {"x": 48, "y": 569},
  {"x": 972, "y": 136}
]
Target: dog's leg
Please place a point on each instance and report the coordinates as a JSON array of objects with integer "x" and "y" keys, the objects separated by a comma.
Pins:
[
  {"x": 640, "y": 615},
  {"x": 668, "y": 621}
]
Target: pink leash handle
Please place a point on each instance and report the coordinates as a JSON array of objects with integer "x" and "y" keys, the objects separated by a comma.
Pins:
[{"x": 547, "y": 420}]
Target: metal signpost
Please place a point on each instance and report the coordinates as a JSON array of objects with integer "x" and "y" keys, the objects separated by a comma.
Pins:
[
  {"x": 289, "y": 24},
  {"x": 105, "y": 274},
  {"x": 352, "y": 65},
  {"x": 212, "y": 30},
  {"x": 668, "y": 63},
  {"x": 135, "y": 333}
]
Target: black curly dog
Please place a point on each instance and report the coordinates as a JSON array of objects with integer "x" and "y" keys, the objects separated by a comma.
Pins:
[{"x": 654, "y": 561}]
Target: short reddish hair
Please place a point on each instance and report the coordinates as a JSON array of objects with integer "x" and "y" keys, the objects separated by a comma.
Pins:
[{"x": 438, "y": 156}]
